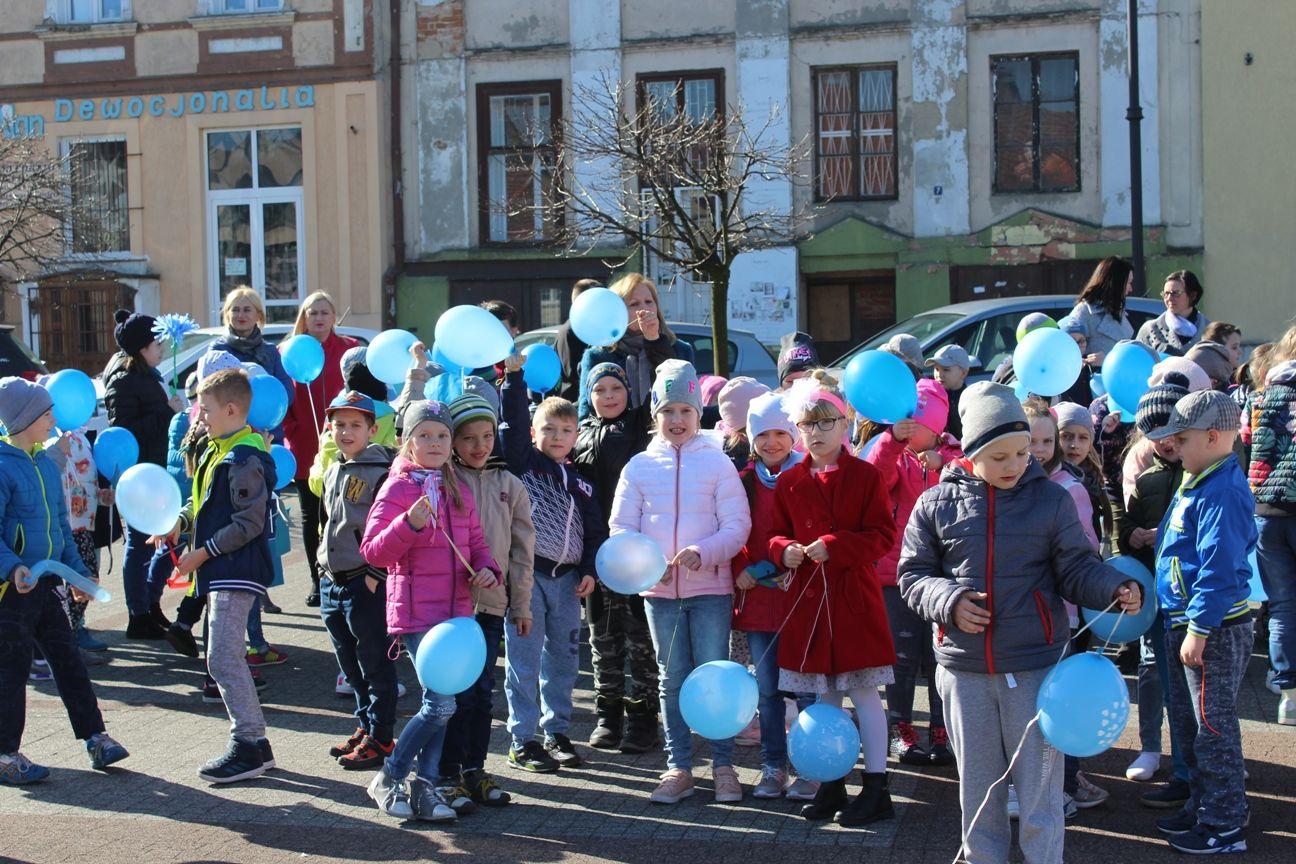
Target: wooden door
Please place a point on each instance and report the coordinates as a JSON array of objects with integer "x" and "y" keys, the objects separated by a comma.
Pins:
[
  {"x": 844, "y": 310},
  {"x": 73, "y": 320}
]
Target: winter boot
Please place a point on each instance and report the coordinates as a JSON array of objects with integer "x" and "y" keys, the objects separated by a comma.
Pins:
[
  {"x": 641, "y": 726},
  {"x": 607, "y": 734},
  {"x": 830, "y": 798},
  {"x": 873, "y": 804}
]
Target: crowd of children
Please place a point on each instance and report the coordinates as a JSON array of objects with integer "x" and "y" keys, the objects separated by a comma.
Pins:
[{"x": 848, "y": 558}]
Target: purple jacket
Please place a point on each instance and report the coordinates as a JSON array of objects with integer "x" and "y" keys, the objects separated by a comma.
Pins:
[{"x": 426, "y": 581}]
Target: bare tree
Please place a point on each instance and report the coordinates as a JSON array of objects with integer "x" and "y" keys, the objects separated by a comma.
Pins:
[
  {"x": 36, "y": 208},
  {"x": 678, "y": 187}
]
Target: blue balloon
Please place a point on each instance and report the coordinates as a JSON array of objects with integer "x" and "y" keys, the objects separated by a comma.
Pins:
[
  {"x": 388, "y": 356},
  {"x": 1083, "y": 705},
  {"x": 115, "y": 450},
  {"x": 543, "y": 369},
  {"x": 438, "y": 357},
  {"x": 881, "y": 387},
  {"x": 1096, "y": 385},
  {"x": 599, "y": 317},
  {"x": 472, "y": 338},
  {"x": 253, "y": 370},
  {"x": 149, "y": 499},
  {"x": 718, "y": 699},
  {"x": 451, "y": 657},
  {"x": 1115, "y": 627},
  {"x": 823, "y": 743},
  {"x": 445, "y": 387},
  {"x": 1126, "y": 370},
  {"x": 74, "y": 398},
  {"x": 303, "y": 358},
  {"x": 269, "y": 403},
  {"x": 1258, "y": 593},
  {"x": 59, "y": 570},
  {"x": 1020, "y": 390},
  {"x": 630, "y": 563},
  {"x": 1047, "y": 361},
  {"x": 285, "y": 464},
  {"x": 1126, "y": 416}
]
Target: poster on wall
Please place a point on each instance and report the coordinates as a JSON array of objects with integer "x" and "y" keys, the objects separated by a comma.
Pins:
[
  {"x": 763, "y": 293},
  {"x": 235, "y": 266}
]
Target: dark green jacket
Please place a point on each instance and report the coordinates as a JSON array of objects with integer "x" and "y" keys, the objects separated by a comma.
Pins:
[{"x": 1153, "y": 491}]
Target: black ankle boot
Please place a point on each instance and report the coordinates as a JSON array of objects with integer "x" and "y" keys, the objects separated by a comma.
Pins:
[
  {"x": 158, "y": 616},
  {"x": 641, "y": 726},
  {"x": 607, "y": 734},
  {"x": 144, "y": 627},
  {"x": 872, "y": 804},
  {"x": 830, "y": 798}
]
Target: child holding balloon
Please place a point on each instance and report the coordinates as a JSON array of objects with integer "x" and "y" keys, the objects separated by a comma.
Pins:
[
  {"x": 684, "y": 493},
  {"x": 989, "y": 555},
  {"x": 424, "y": 530},
  {"x": 832, "y": 520}
]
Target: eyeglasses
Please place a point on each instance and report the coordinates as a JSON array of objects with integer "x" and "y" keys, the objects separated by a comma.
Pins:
[
  {"x": 825, "y": 425},
  {"x": 1174, "y": 292}
]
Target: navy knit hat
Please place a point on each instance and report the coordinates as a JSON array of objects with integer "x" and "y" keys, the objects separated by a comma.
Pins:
[
  {"x": 606, "y": 370},
  {"x": 796, "y": 354},
  {"x": 1158, "y": 403},
  {"x": 134, "y": 330}
]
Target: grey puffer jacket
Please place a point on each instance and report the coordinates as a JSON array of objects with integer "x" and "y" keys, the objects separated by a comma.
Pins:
[
  {"x": 350, "y": 488},
  {"x": 1035, "y": 556}
]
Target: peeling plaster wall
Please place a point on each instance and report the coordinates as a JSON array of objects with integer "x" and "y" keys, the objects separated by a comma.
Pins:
[
  {"x": 938, "y": 123},
  {"x": 595, "y": 60},
  {"x": 441, "y": 155},
  {"x": 674, "y": 19},
  {"x": 1180, "y": 120},
  {"x": 1113, "y": 57},
  {"x": 509, "y": 24},
  {"x": 817, "y": 14}
]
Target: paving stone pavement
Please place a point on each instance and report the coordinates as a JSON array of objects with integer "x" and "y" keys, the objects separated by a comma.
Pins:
[{"x": 153, "y": 808}]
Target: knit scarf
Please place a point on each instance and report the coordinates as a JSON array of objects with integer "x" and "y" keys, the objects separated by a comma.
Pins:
[
  {"x": 244, "y": 344},
  {"x": 768, "y": 478},
  {"x": 1182, "y": 327},
  {"x": 638, "y": 369}
]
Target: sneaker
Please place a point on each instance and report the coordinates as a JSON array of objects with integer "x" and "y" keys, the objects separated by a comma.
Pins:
[
  {"x": 563, "y": 751},
  {"x": 87, "y": 642},
  {"x": 40, "y": 672},
  {"x": 1144, "y": 767},
  {"x": 802, "y": 789},
  {"x": 17, "y": 770},
  {"x": 1180, "y": 822},
  {"x": 258, "y": 682},
  {"x": 484, "y": 790},
  {"x": 158, "y": 616},
  {"x": 1014, "y": 806},
  {"x": 532, "y": 757},
  {"x": 456, "y": 795},
  {"x": 267, "y": 657},
  {"x": 90, "y": 659},
  {"x": 1286, "y": 714},
  {"x": 390, "y": 795},
  {"x": 427, "y": 803},
  {"x": 343, "y": 688},
  {"x": 1270, "y": 684},
  {"x": 676, "y": 785},
  {"x": 313, "y": 599},
  {"x": 1203, "y": 840},
  {"x": 368, "y": 755},
  {"x": 349, "y": 744},
  {"x": 242, "y": 761},
  {"x": 143, "y": 627},
  {"x": 939, "y": 751},
  {"x": 269, "y": 607},
  {"x": 905, "y": 747},
  {"x": 751, "y": 735},
  {"x": 1172, "y": 795},
  {"x": 1069, "y": 808},
  {"x": 182, "y": 640},
  {"x": 104, "y": 751},
  {"x": 1087, "y": 794},
  {"x": 211, "y": 693},
  {"x": 267, "y": 753},
  {"x": 727, "y": 788},
  {"x": 771, "y": 783}
]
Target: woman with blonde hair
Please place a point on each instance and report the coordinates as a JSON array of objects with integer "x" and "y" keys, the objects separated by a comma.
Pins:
[
  {"x": 243, "y": 314},
  {"x": 646, "y": 344},
  {"x": 317, "y": 318}
]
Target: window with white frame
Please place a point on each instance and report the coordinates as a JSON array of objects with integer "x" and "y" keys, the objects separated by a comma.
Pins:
[
  {"x": 234, "y": 7},
  {"x": 98, "y": 222},
  {"x": 255, "y": 220},
  {"x": 90, "y": 11}
]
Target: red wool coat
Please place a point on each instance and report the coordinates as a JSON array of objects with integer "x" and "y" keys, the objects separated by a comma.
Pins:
[
  {"x": 838, "y": 621},
  {"x": 759, "y": 609}
]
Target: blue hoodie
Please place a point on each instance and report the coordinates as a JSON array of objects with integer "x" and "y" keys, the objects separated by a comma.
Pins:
[
  {"x": 1203, "y": 545},
  {"x": 33, "y": 515}
]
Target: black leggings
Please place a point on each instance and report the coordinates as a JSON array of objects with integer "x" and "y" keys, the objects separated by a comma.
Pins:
[{"x": 310, "y": 516}]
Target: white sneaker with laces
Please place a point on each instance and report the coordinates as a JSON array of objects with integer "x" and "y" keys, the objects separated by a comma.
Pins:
[
  {"x": 342, "y": 688},
  {"x": 1144, "y": 767},
  {"x": 771, "y": 783},
  {"x": 802, "y": 789}
]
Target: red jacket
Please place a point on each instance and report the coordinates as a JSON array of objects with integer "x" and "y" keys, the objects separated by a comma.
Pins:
[
  {"x": 838, "y": 621},
  {"x": 904, "y": 478},
  {"x": 302, "y": 425},
  {"x": 759, "y": 609}
]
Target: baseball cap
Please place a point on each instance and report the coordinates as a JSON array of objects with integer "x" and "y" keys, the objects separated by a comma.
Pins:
[
  {"x": 949, "y": 356},
  {"x": 1205, "y": 409},
  {"x": 352, "y": 400}
]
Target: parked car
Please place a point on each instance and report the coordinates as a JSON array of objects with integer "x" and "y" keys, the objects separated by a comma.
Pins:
[
  {"x": 16, "y": 358},
  {"x": 987, "y": 329},
  {"x": 747, "y": 356}
]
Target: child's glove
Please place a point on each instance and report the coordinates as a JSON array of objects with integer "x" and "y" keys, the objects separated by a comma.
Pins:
[{"x": 764, "y": 573}]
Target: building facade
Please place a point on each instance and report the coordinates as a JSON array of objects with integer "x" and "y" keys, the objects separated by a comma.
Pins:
[
  {"x": 222, "y": 142},
  {"x": 958, "y": 149}
]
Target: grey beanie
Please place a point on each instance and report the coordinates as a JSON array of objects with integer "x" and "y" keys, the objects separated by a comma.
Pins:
[
  {"x": 420, "y": 410},
  {"x": 676, "y": 382},
  {"x": 475, "y": 386},
  {"x": 1214, "y": 359},
  {"x": 22, "y": 403},
  {"x": 989, "y": 412}
]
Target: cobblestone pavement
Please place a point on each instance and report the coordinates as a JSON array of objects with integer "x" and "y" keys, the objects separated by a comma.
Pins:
[{"x": 154, "y": 809}]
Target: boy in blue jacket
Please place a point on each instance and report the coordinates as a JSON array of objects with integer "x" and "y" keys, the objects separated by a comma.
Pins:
[
  {"x": 1204, "y": 542},
  {"x": 33, "y": 528}
]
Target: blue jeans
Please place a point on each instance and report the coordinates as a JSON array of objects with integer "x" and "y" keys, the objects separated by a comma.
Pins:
[
  {"x": 764, "y": 651},
  {"x": 1276, "y": 554},
  {"x": 255, "y": 635},
  {"x": 548, "y": 660},
  {"x": 915, "y": 655},
  {"x": 423, "y": 735},
  {"x": 687, "y": 633},
  {"x": 1154, "y": 697},
  {"x": 356, "y": 620},
  {"x": 468, "y": 734},
  {"x": 145, "y": 571}
]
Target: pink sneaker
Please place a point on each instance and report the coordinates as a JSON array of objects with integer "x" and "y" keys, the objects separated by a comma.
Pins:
[
  {"x": 268, "y": 657},
  {"x": 751, "y": 736},
  {"x": 727, "y": 788},
  {"x": 676, "y": 785}
]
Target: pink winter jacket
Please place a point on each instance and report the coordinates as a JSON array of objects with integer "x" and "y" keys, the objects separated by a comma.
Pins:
[
  {"x": 905, "y": 479},
  {"x": 680, "y": 497},
  {"x": 426, "y": 582}
]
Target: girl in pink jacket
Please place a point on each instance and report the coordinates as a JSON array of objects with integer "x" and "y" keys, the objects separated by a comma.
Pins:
[
  {"x": 423, "y": 528},
  {"x": 904, "y": 456},
  {"x": 684, "y": 492}
]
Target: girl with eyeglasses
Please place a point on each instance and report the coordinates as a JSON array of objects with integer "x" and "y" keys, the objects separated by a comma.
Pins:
[{"x": 1182, "y": 325}]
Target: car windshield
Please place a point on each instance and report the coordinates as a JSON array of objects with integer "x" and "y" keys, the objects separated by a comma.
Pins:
[{"x": 921, "y": 327}]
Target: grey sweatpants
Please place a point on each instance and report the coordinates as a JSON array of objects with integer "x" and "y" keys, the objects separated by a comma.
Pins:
[
  {"x": 986, "y": 716},
  {"x": 227, "y": 615},
  {"x": 1203, "y": 714}
]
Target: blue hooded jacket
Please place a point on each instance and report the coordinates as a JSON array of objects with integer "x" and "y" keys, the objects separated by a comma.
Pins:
[{"x": 33, "y": 515}]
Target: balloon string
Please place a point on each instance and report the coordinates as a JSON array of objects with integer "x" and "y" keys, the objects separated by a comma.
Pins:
[{"x": 774, "y": 641}]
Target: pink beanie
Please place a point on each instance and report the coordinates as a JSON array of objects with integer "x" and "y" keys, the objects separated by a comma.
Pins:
[
  {"x": 736, "y": 397},
  {"x": 710, "y": 387},
  {"x": 1196, "y": 375},
  {"x": 933, "y": 405}
]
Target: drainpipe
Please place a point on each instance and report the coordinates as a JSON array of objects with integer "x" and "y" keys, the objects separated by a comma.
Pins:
[
  {"x": 397, "y": 170},
  {"x": 1134, "y": 114}
]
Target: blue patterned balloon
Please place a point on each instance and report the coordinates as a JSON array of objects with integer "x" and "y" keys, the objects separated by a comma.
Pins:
[
  {"x": 823, "y": 743},
  {"x": 718, "y": 699},
  {"x": 1083, "y": 705}
]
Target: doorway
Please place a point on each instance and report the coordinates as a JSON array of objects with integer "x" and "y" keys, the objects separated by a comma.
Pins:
[{"x": 844, "y": 309}]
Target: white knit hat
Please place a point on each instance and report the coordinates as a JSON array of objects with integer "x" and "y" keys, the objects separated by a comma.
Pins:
[{"x": 766, "y": 413}]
